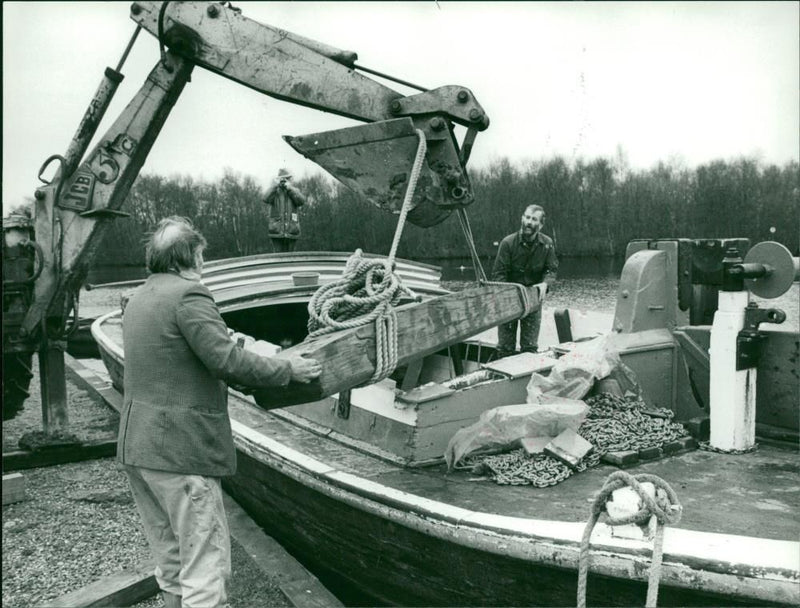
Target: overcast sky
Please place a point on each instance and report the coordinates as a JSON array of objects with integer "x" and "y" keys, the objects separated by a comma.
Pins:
[{"x": 672, "y": 81}]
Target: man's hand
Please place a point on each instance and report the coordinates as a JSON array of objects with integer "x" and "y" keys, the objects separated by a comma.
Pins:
[
  {"x": 304, "y": 370},
  {"x": 542, "y": 288}
]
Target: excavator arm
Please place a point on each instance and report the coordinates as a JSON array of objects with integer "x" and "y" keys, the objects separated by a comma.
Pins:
[
  {"x": 72, "y": 211},
  {"x": 305, "y": 72}
]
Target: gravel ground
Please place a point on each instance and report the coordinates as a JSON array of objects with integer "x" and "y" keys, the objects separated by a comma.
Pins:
[
  {"x": 79, "y": 522},
  {"x": 89, "y": 419}
]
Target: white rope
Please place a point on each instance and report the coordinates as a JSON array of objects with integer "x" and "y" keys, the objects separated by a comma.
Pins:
[{"x": 368, "y": 290}]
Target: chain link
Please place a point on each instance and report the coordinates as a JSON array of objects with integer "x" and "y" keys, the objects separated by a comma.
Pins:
[{"x": 613, "y": 424}]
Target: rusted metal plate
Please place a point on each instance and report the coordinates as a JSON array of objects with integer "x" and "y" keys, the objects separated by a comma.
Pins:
[{"x": 375, "y": 160}]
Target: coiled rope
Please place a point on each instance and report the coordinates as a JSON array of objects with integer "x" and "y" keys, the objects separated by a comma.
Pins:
[
  {"x": 368, "y": 290},
  {"x": 665, "y": 508}
]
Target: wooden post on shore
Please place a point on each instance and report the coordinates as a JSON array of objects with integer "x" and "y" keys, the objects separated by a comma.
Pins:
[{"x": 53, "y": 383}]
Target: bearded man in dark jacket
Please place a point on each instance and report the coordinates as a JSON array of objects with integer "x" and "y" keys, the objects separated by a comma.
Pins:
[{"x": 527, "y": 257}]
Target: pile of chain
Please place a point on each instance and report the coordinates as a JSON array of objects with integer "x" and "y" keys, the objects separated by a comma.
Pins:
[{"x": 613, "y": 424}]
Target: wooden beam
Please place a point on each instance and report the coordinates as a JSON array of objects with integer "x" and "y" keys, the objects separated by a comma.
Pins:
[
  {"x": 13, "y": 488},
  {"x": 348, "y": 356},
  {"x": 86, "y": 378},
  {"x": 53, "y": 384},
  {"x": 124, "y": 588},
  {"x": 23, "y": 459}
]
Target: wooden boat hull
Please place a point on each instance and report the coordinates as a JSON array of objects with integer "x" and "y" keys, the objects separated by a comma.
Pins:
[
  {"x": 422, "y": 537},
  {"x": 361, "y": 520},
  {"x": 81, "y": 344},
  {"x": 373, "y": 553},
  {"x": 383, "y": 529}
]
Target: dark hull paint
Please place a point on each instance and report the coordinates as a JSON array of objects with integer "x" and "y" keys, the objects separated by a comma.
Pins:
[{"x": 391, "y": 564}]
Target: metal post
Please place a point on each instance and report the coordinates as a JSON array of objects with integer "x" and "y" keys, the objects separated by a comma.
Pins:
[
  {"x": 53, "y": 383},
  {"x": 732, "y": 391}
]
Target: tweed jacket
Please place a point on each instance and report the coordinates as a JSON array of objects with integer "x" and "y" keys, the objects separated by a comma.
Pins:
[
  {"x": 526, "y": 263},
  {"x": 178, "y": 357}
]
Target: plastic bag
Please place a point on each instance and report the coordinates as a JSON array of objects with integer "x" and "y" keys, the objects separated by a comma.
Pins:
[
  {"x": 500, "y": 428},
  {"x": 574, "y": 373},
  {"x": 621, "y": 382}
]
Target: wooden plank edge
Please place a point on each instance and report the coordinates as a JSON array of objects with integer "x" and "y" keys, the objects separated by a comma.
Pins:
[
  {"x": 13, "y": 488},
  {"x": 90, "y": 381},
  {"x": 124, "y": 588},
  {"x": 301, "y": 587},
  {"x": 23, "y": 459}
]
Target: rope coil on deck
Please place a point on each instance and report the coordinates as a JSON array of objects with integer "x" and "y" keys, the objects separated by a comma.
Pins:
[
  {"x": 368, "y": 290},
  {"x": 665, "y": 508}
]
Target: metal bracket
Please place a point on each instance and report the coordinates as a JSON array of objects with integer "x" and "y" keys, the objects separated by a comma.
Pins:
[
  {"x": 749, "y": 345},
  {"x": 343, "y": 404},
  {"x": 750, "y": 341}
]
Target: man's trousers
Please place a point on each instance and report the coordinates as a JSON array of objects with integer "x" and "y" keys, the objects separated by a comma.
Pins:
[
  {"x": 528, "y": 335},
  {"x": 184, "y": 521}
]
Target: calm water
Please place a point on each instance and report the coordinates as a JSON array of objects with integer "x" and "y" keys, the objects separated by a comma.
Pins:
[{"x": 462, "y": 269}]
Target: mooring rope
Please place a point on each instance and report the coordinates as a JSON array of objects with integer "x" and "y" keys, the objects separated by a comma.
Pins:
[
  {"x": 368, "y": 290},
  {"x": 665, "y": 508}
]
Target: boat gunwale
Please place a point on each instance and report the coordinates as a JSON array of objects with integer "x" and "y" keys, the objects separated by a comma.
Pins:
[{"x": 303, "y": 256}]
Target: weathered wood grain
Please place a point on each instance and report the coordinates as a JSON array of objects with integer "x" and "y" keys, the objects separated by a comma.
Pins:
[
  {"x": 302, "y": 588},
  {"x": 348, "y": 357},
  {"x": 125, "y": 588},
  {"x": 23, "y": 459},
  {"x": 13, "y": 488}
]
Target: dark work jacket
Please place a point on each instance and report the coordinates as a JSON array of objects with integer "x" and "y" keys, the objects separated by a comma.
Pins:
[
  {"x": 178, "y": 357},
  {"x": 526, "y": 263},
  {"x": 283, "y": 219}
]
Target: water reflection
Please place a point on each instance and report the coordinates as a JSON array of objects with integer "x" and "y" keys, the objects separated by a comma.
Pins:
[{"x": 462, "y": 269}]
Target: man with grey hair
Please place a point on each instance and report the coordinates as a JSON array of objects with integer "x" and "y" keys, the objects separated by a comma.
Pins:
[
  {"x": 175, "y": 440},
  {"x": 527, "y": 257}
]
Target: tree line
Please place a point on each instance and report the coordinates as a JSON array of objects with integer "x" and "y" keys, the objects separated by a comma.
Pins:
[{"x": 593, "y": 208}]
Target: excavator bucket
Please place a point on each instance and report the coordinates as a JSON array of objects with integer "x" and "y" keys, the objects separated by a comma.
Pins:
[{"x": 376, "y": 160}]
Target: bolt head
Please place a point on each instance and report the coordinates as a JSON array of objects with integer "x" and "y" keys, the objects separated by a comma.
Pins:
[
  {"x": 463, "y": 96},
  {"x": 475, "y": 114},
  {"x": 437, "y": 124},
  {"x": 395, "y": 106},
  {"x": 212, "y": 10},
  {"x": 39, "y": 195},
  {"x": 135, "y": 8}
]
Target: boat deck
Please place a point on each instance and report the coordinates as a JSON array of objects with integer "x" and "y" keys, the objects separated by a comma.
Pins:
[{"x": 755, "y": 494}]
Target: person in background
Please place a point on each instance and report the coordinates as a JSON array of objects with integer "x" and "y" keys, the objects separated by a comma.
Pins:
[
  {"x": 527, "y": 257},
  {"x": 175, "y": 440},
  {"x": 284, "y": 200}
]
